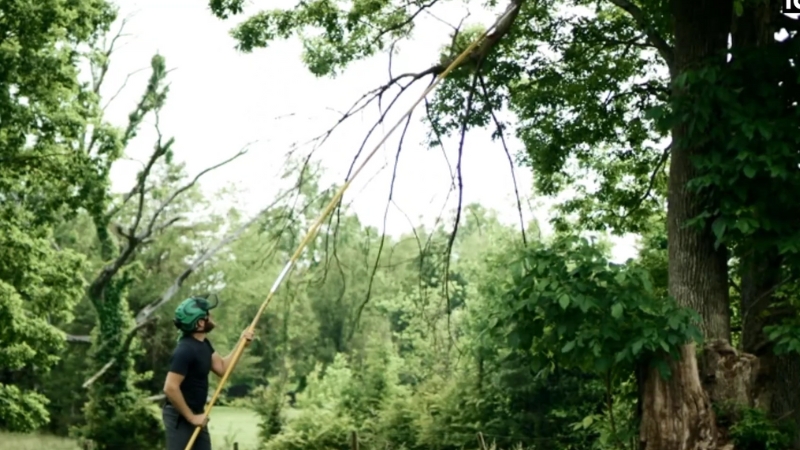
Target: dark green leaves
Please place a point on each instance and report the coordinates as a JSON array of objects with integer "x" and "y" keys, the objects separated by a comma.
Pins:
[
  {"x": 597, "y": 315},
  {"x": 742, "y": 117}
]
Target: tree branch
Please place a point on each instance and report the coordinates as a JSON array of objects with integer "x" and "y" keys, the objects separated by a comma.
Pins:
[
  {"x": 501, "y": 134},
  {"x": 134, "y": 240},
  {"x": 145, "y": 315},
  {"x": 662, "y": 159},
  {"x": 664, "y": 49},
  {"x": 150, "y": 226},
  {"x": 78, "y": 339}
]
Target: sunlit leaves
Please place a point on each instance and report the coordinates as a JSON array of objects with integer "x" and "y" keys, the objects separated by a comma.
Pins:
[
  {"x": 333, "y": 34},
  {"x": 38, "y": 287}
]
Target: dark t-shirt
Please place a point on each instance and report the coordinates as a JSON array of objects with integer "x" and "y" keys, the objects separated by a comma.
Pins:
[{"x": 192, "y": 359}]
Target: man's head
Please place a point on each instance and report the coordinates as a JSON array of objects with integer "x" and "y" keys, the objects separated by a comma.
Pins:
[{"x": 193, "y": 315}]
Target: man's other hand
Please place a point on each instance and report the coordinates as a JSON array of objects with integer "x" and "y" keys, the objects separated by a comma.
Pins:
[{"x": 199, "y": 420}]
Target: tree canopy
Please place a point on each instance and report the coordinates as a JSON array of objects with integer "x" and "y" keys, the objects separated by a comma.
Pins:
[{"x": 675, "y": 121}]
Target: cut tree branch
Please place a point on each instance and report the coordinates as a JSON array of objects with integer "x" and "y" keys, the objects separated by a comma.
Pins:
[{"x": 476, "y": 57}]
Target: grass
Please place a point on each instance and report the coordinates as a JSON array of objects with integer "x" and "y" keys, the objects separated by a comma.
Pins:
[{"x": 227, "y": 425}]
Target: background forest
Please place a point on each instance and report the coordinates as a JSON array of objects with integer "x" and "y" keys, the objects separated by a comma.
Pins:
[{"x": 675, "y": 122}]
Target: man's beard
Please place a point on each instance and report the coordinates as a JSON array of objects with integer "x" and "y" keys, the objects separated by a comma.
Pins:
[{"x": 207, "y": 327}]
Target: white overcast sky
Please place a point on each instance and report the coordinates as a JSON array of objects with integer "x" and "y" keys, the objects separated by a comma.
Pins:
[{"x": 221, "y": 99}]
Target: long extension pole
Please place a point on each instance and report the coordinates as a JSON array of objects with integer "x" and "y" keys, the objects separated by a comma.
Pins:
[{"x": 240, "y": 346}]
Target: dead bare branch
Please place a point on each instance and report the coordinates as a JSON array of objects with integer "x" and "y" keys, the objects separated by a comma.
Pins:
[
  {"x": 78, "y": 339},
  {"x": 150, "y": 226},
  {"x": 122, "y": 87},
  {"x": 99, "y": 73},
  {"x": 145, "y": 315},
  {"x": 454, "y": 27},
  {"x": 403, "y": 82},
  {"x": 440, "y": 141}
]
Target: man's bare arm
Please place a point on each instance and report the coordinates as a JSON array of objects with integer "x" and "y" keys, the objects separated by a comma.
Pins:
[
  {"x": 220, "y": 364},
  {"x": 172, "y": 389}
]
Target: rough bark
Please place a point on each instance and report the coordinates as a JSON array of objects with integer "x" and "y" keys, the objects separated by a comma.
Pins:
[
  {"x": 760, "y": 269},
  {"x": 677, "y": 412},
  {"x": 780, "y": 374}
]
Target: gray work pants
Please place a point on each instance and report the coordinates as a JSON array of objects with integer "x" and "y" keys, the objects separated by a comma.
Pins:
[{"x": 179, "y": 431}]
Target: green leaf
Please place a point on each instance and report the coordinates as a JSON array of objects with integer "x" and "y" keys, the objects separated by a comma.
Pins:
[
  {"x": 587, "y": 421},
  {"x": 563, "y": 301},
  {"x": 749, "y": 171},
  {"x": 569, "y": 346},
  {"x": 674, "y": 322},
  {"x": 654, "y": 113},
  {"x": 602, "y": 364},
  {"x": 616, "y": 310},
  {"x": 663, "y": 369},
  {"x": 718, "y": 227},
  {"x": 738, "y": 8}
]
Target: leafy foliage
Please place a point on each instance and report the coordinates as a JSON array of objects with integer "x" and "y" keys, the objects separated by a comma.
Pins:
[{"x": 572, "y": 306}]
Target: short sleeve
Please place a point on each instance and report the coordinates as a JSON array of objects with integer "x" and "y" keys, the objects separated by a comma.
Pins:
[
  {"x": 181, "y": 359},
  {"x": 211, "y": 347}
]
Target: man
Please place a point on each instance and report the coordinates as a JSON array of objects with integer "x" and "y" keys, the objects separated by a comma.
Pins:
[{"x": 186, "y": 386}]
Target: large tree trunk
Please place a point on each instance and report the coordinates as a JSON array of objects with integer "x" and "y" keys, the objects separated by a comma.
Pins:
[
  {"x": 677, "y": 413},
  {"x": 760, "y": 270},
  {"x": 779, "y": 376}
]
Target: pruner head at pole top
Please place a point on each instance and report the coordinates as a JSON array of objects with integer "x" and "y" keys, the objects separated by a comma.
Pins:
[{"x": 194, "y": 309}]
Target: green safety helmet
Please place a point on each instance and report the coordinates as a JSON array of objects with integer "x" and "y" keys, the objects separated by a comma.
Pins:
[{"x": 191, "y": 310}]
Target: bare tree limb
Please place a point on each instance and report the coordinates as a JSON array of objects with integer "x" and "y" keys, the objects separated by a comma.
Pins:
[
  {"x": 403, "y": 82},
  {"x": 184, "y": 188},
  {"x": 122, "y": 87},
  {"x": 99, "y": 73},
  {"x": 78, "y": 339},
  {"x": 145, "y": 315},
  {"x": 134, "y": 239}
]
